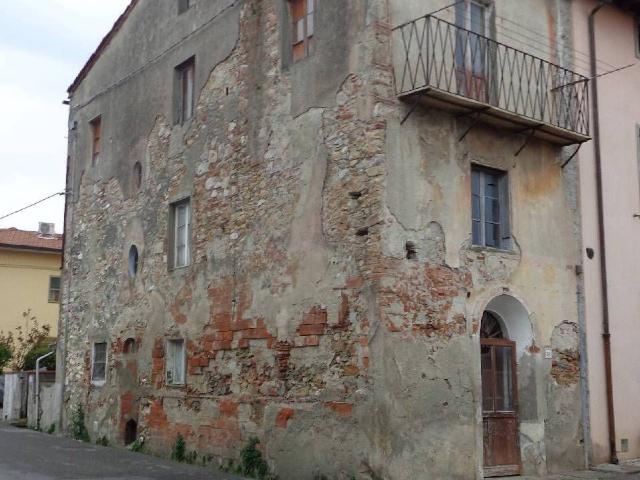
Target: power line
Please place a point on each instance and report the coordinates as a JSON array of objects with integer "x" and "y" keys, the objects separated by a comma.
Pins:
[{"x": 32, "y": 205}]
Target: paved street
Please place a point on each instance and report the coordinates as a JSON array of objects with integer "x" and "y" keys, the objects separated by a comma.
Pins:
[{"x": 29, "y": 455}]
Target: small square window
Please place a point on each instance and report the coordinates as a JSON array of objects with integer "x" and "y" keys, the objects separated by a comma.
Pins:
[
  {"x": 180, "y": 234},
  {"x": 175, "y": 362},
  {"x": 490, "y": 208},
  {"x": 99, "y": 362},
  {"x": 96, "y": 140},
  {"x": 183, "y": 6},
  {"x": 54, "y": 289},
  {"x": 184, "y": 90}
]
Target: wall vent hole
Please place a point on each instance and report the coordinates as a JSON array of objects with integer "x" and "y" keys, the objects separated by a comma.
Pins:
[
  {"x": 410, "y": 249},
  {"x": 355, "y": 195},
  {"x": 362, "y": 232},
  {"x": 133, "y": 261}
]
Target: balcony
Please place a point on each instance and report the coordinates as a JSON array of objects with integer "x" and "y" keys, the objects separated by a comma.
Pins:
[{"x": 448, "y": 67}]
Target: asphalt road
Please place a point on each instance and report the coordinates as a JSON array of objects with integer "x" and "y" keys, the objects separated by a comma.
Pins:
[{"x": 29, "y": 455}]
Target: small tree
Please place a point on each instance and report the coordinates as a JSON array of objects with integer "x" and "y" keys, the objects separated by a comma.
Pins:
[
  {"x": 5, "y": 355},
  {"x": 22, "y": 344},
  {"x": 29, "y": 362}
]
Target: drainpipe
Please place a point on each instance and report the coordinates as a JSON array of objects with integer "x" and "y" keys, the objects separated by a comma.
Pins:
[
  {"x": 38, "y": 386},
  {"x": 606, "y": 334}
]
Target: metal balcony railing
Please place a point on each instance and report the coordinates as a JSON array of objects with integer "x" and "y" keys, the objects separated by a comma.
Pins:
[{"x": 474, "y": 72}]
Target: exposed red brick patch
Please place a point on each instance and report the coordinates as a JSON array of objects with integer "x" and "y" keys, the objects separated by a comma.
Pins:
[
  {"x": 228, "y": 408},
  {"x": 311, "y": 330},
  {"x": 565, "y": 367},
  {"x": 284, "y": 415},
  {"x": 316, "y": 316},
  {"x": 341, "y": 408},
  {"x": 283, "y": 352}
]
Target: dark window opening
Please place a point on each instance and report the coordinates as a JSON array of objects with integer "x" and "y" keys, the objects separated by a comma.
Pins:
[
  {"x": 412, "y": 253},
  {"x": 99, "y": 362},
  {"x": 490, "y": 208},
  {"x": 185, "y": 75},
  {"x": 137, "y": 176},
  {"x": 491, "y": 327},
  {"x": 129, "y": 346},
  {"x": 133, "y": 261},
  {"x": 130, "y": 432},
  {"x": 183, "y": 6},
  {"x": 96, "y": 140}
]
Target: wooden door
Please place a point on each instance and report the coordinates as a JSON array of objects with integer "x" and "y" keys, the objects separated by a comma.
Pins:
[{"x": 500, "y": 408}]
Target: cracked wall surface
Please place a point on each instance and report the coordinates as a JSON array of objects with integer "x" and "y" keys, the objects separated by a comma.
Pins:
[{"x": 305, "y": 323}]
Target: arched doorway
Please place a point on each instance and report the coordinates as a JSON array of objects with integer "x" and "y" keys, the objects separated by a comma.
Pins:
[{"x": 501, "y": 433}]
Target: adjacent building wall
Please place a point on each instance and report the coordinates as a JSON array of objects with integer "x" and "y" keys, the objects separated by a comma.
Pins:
[
  {"x": 616, "y": 43},
  {"x": 24, "y": 287}
]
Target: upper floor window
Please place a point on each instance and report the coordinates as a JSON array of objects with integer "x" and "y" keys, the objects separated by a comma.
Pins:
[
  {"x": 636, "y": 34},
  {"x": 54, "y": 289},
  {"x": 96, "y": 139},
  {"x": 180, "y": 238},
  {"x": 185, "y": 74},
  {"x": 183, "y": 6},
  {"x": 490, "y": 208},
  {"x": 302, "y": 14},
  {"x": 99, "y": 362}
]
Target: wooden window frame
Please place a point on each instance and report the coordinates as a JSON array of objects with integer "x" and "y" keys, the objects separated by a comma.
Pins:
[
  {"x": 54, "y": 293},
  {"x": 185, "y": 84},
  {"x": 170, "y": 360},
  {"x": 99, "y": 381},
  {"x": 302, "y": 17},
  {"x": 504, "y": 211},
  {"x": 96, "y": 139}
]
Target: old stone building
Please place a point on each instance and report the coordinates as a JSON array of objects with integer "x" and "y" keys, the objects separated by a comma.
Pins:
[{"x": 343, "y": 227}]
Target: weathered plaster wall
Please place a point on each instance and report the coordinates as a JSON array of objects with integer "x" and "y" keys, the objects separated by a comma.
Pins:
[{"x": 306, "y": 325}]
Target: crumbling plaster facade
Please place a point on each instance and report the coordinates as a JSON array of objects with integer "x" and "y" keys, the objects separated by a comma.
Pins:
[{"x": 305, "y": 324}]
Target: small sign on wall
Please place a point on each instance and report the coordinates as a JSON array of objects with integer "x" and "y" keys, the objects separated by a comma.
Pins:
[{"x": 548, "y": 353}]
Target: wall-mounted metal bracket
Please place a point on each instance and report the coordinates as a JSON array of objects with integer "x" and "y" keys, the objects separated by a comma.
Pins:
[
  {"x": 475, "y": 113},
  {"x": 411, "y": 110},
  {"x": 532, "y": 131},
  {"x": 571, "y": 157}
]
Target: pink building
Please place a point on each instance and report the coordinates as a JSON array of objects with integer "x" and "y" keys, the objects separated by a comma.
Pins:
[{"x": 612, "y": 260}]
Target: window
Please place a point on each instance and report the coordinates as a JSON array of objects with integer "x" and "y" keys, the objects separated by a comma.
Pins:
[
  {"x": 129, "y": 346},
  {"x": 636, "y": 34},
  {"x": 133, "y": 261},
  {"x": 180, "y": 216},
  {"x": 96, "y": 136},
  {"x": 302, "y": 14},
  {"x": 490, "y": 208},
  {"x": 185, "y": 74},
  {"x": 54, "y": 289},
  {"x": 175, "y": 362},
  {"x": 183, "y": 6},
  {"x": 136, "y": 181},
  {"x": 99, "y": 362}
]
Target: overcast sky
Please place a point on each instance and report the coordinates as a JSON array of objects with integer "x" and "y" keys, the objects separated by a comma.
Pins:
[{"x": 43, "y": 45}]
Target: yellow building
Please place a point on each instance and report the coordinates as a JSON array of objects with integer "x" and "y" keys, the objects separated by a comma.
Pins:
[{"x": 29, "y": 277}]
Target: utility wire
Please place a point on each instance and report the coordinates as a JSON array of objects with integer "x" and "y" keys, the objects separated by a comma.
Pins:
[{"x": 32, "y": 205}]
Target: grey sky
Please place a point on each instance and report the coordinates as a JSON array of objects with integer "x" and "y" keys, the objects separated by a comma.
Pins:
[{"x": 43, "y": 45}]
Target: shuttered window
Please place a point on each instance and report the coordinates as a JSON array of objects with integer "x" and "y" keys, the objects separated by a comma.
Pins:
[
  {"x": 180, "y": 236},
  {"x": 185, "y": 90},
  {"x": 490, "y": 208},
  {"x": 302, "y": 14},
  {"x": 96, "y": 140}
]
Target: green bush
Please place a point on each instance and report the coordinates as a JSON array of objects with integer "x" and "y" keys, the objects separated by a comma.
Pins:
[
  {"x": 6, "y": 354},
  {"x": 78, "y": 428},
  {"x": 36, "y": 352},
  {"x": 137, "y": 446},
  {"x": 179, "y": 449},
  {"x": 52, "y": 428},
  {"x": 253, "y": 465}
]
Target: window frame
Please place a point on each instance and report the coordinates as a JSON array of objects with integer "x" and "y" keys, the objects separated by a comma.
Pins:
[
  {"x": 103, "y": 380},
  {"x": 636, "y": 35},
  {"x": 170, "y": 358},
  {"x": 503, "y": 222},
  {"x": 96, "y": 139},
  {"x": 59, "y": 289},
  {"x": 307, "y": 17},
  {"x": 173, "y": 229},
  {"x": 185, "y": 87}
]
